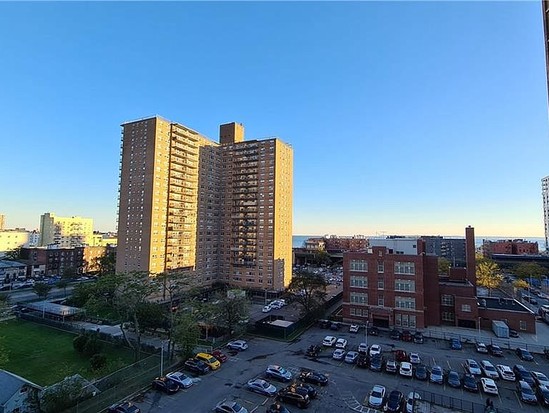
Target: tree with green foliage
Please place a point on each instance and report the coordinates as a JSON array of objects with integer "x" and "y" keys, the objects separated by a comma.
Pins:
[
  {"x": 230, "y": 310},
  {"x": 63, "y": 283},
  {"x": 186, "y": 333},
  {"x": 4, "y": 353},
  {"x": 42, "y": 290},
  {"x": 444, "y": 265},
  {"x": 106, "y": 263},
  {"x": 309, "y": 290},
  {"x": 526, "y": 270},
  {"x": 125, "y": 295},
  {"x": 488, "y": 274}
]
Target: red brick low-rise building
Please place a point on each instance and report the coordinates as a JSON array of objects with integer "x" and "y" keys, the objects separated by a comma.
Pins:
[
  {"x": 513, "y": 247},
  {"x": 386, "y": 289}
]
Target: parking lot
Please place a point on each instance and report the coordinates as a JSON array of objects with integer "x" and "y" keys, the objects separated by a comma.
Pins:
[{"x": 349, "y": 385}]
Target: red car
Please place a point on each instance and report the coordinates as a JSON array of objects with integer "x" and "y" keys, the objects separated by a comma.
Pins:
[
  {"x": 401, "y": 355},
  {"x": 220, "y": 356}
]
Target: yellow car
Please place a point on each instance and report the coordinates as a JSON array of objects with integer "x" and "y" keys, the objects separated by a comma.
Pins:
[{"x": 210, "y": 360}]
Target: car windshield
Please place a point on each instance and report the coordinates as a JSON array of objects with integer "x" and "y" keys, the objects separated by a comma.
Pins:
[
  {"x": 527, "y": 390},
  {"x": 394, "y": 397},
  {"x": 212, "y": 360},
  {"x": 376, "y": 394},
  {"x": 282, "y": 370},
  {"x": 237, "y": 407},
  {"x": 453, "y": 375},
  {"x": 491, "y": 368},
  {"x": 264, "y": 384},
  {"x": 437, "y": 370}
]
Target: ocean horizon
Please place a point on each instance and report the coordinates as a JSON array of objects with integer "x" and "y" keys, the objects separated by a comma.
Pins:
[{"x": 298, "y": 240}]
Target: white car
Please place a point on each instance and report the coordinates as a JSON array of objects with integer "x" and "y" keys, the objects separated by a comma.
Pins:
[
  {"x": 229, "y": 407},
  {"x": 262, "y": 387},
  {"x": 405, "y": 369},
  {"x": 489, "y": 370},
  {"x": 505, "y": 372},
  {"x": 363, "y": 348},
  {"x": 341, "y": 343},
  {"x": 414, "y": 358},
  {"x": 375, "y": 349},
  {"x": 239, "y": 345},
  {"x": 329, "y": 341},
  {"x": 181, "y": 378},
  {"x": 338, "y": 354},
  {"x": 351, "y": 357},
  {"x": 481, "y": 348},
  {"x": 411, "y": 400},
  {"x": 353, "y": 328},
  {"x": 489, "y": 386},
  {"x": 472, "y": 367},
  {"x": 376, "y": 398},
  {"x": 267, "y": 308}
]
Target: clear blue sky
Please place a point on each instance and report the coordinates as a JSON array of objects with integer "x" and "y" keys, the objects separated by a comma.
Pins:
[{"x": 406, "y": 118}]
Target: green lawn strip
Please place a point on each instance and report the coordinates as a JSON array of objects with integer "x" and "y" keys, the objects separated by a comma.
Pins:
[{"x": 45, "y": 355}]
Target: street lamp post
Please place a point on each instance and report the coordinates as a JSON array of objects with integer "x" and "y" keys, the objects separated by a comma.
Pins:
[
  {"x": 366, "y": 332},
  {"x": 479, "y": 328}
]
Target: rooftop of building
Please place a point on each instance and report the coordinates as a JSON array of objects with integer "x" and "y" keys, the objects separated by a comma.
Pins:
[{"x": 502, "y": 303}]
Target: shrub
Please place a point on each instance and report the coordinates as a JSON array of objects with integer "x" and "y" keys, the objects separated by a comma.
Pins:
[
  {"x": 93, "y": 346},
  {"x": 79, "y": 343},
  {"x": 98, "y": 361}
]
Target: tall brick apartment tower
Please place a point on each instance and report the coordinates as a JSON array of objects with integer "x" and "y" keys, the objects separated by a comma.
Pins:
[{"x": 220, "y": 211}]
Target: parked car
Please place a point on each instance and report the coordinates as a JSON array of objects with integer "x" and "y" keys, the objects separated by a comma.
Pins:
[
  {"x": 481, "y": 347},
  {"x": 334, "y": 326},
  {"x": 542, "y": 393},
  {"x": 524, "y": 354},
  {"x": 165, "y": 384},
  {"x": 278, "y": 373},
  {"x": 421, "y": 372},
  {"x": 181, "y": 378},
  {"x": 324, "y": 323},
  {"x": 239, "y": 345},
  {"x": 540, "y": 379},
  {"x": 376, "y": 397},
  {"x": 305, "y": 389},
  {"x": 495, "y": 350},
  {"x": 363, "y": 361},
  {"x": 125, "y": 407},
  {"x": 405, "y": 369},
  {"x": 525, "y": 392},
  {"x": 455, "y": 344},
  {"x": 522, "y": 374},
  {"x": 262, "y": 387},
  {"x": 472, "y": 367},
  {"x": 196, "y": 366},
  {"x": 229, "y": 407},
  {"x": 401, "y": 355},
  {"x": 489, "y": 386},
  {"x": 488, "y": 369},
  {"x": 505, "y": 372},
  {"x": 406, "y": 336},
  {"x": 376, "y": 363},
  {"x": 338, "y": 354},
  {"x": 375, "y": 349},
  {"x": 470, "y": 383},
  {"x": 341, "y": 343},
  {"x": 353, "y": 328},
  {"x": 363, "y": 348},
  {"x": 391, "y": 366},
  {"x": 313, "y": 351},
  {"x": 329, "y": 341},
  {"x": 436, "y": 375},
  {"x": 418, "y": 337},
  {"x": 351, "y": 357},
  {"x": 411, "y": 400},
  {"x": 414, "y": 358},
  {"x": 267, "y": 308},
  {"x": 395, "y": 335},
  {"x": 395, "y": 402},
  {"x": 314, "y": 377},
  {"x": 210, "y": 360},
  {"x": 277, "y": 408},
  {"x": 373, "y": 331},
  {"x": 222, "y": 357},
  {"x": 289, "y": 395},
  {"x": 453, "y": 379}
]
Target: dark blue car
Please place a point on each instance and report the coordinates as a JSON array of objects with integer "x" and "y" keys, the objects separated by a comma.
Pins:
[{"x": 455, "y": 344}]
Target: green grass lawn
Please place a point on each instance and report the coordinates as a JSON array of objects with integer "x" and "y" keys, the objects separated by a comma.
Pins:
[{"x": 45, "y": 355}]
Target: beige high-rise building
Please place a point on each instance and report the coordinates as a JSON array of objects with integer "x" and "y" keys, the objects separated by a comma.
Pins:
[
  {"x": 65, "y": 232},
  {"x": 222, "y": 211}
]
